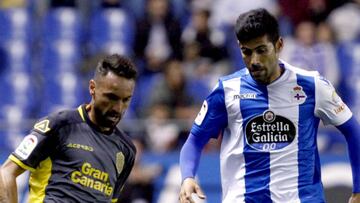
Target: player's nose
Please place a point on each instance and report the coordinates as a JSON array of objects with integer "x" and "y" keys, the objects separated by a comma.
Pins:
[{"x": 255, "y": 59}]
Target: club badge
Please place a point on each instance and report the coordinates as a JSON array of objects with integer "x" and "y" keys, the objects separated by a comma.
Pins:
[
  {"x": 120, "y": 161},
  {"x": 298, "y": 95}
]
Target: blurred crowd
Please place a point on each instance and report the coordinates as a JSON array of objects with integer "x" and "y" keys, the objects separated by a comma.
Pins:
[{"x": 49, "y": 48}]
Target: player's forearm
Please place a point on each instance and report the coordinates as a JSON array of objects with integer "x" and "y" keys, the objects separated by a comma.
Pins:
[
  {"x": 190, "y": 155},
  {"x": 8, "y": 188},
  {"x": 351, "y": 131},
  {"x": 3, "y": 195}
]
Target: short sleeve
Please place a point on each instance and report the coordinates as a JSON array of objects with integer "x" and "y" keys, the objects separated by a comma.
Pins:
[
  {"x": 329, "y": 106},
  {"x": 212, "y": 117},
  {"x": 37, "y": 145}
]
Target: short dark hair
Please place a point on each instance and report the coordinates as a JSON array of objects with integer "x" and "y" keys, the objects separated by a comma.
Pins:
[
  {"x": 256, "y": 23},
  {"x": 120, "y": 65}
]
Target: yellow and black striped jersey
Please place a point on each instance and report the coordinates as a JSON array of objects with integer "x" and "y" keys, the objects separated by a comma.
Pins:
[{"x": 72, "y": 161}]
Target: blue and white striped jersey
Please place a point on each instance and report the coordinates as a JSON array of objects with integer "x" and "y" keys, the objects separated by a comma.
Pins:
[{"x": 268, "y": 151}]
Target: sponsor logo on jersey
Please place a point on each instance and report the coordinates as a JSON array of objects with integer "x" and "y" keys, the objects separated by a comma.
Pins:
[
  {"x": 201, "y": 115},
  {"x": 42, "y": 126},
  {"x": 298, "y": 95},
  {"x": 269, "y": 132},
  {"x": 80, "y": 146},
  {"x": 26, "y": 146},
  {"x": 339, "y": 103},
  {"x": 94, "y": 178},
  {"x": 245, "y": 96},
  {"x": 340, "y": 109}
]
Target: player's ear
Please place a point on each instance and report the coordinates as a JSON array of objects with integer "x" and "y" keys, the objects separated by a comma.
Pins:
[
  {"x": 92, "y": 87},
  {"x": 279, "y": 44}
]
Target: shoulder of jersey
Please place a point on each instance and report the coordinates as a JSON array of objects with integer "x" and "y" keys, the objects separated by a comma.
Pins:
[
  {"x": 300, "y": 71},
  {"x": 55, "y": 120},
  {"x": 240, "y": 73},
  {"x": 126, "y": 138}
]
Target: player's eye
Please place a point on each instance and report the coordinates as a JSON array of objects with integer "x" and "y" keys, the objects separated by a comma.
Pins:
[
  {"x": 112, "y": 97},
  {"x": 246, "y": 52},
  {"x": 126, "y": 100},
  {"x": 261, "y": 51}
]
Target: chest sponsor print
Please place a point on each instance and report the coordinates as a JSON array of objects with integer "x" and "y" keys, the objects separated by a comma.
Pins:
[
  {"x": 269, "y": 132},
  {"x": 91, "y": 177}
]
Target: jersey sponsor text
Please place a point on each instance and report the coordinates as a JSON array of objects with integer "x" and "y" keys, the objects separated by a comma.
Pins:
[
  {"x": 80, "y": 146},
  {"x": 269, "y": 129},
  {"x": 93, "y": 178}
]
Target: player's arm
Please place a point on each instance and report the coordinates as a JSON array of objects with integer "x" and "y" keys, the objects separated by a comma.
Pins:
[
  {"x": 34, "y": 148},
  {"x": 355, "y": 198},
  {"x": 332, "y": 110},
  {"x": 8, "y": 188},
  {"x": 189, "y": 161},
  {"x": 351, "y": 131},
  {"x": 211, "y": 119}
]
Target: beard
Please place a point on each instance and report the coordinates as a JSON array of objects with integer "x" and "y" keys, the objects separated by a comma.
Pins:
[{"x": 107, "y": 119}]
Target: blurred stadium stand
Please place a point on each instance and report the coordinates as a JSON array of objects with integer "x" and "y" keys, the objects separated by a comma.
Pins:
[
  {"x": 63, "y": 35},
  {"x": 62, "y": 23},
  {"x": 60, "y": 74},
  {"x": 15, "y": 24},
  {"x": 44, "y": 44},
  {"x": 112, "y": 30}
]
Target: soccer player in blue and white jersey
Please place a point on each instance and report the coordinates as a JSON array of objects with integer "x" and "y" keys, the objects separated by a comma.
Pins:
[{"x": 268, "y": 115}]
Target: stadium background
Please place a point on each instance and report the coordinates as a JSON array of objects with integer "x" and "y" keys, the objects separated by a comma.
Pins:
[{"x": 48, "y": 49}]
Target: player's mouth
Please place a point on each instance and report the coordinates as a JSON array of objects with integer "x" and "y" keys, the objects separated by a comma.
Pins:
[
  {"x": 114, "y": 117},
  {"x": 256, "y": 73},
  {"x": 256, "y": 69}
]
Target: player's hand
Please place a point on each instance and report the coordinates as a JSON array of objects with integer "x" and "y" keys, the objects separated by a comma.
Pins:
[
  {"x": 188, "y": 187},
  {"x": 355, "y": 198}
]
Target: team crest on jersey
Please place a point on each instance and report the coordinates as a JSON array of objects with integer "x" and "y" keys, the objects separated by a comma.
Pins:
[
  {"x": 26, "y": 146},
  {"x": 269, "y": 132},
  {"x": 42, "y": 126},
  {"x": 120, "y": 161},
  {"x": 298, "y": 95},
  {"x": 269, "y": 116},
  {"x": 201, "y": 115}
]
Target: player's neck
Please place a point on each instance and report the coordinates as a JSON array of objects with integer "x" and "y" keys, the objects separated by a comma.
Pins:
[{"x": 277, "y": 73}]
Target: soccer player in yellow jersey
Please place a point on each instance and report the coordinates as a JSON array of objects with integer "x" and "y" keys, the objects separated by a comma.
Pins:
[{"x": 79, "y": 155}]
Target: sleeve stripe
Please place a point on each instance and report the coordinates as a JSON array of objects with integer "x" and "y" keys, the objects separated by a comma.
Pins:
[
  {"x": 21, "y": 164},
  {"x": 114, "y": 200}
]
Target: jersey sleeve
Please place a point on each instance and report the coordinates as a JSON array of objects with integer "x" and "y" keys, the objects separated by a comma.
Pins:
[
  {"x": 329, "y": 106},
  {"x": 37, "y": 145},
  {"x": 212, "y": 117}
]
